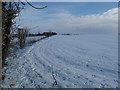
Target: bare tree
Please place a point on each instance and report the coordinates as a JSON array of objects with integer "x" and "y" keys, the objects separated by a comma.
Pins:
[{"x": 10, "y": 10}]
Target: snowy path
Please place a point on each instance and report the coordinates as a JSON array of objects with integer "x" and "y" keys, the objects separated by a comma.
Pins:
[{"x": 81, "y": 61}]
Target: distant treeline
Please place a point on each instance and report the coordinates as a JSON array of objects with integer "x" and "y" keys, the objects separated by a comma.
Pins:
[
  {"x": 38, "y": 34},
  {"x": 69, "y": 34}
]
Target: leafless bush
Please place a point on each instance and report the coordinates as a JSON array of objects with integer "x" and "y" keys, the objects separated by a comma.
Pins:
[
  {"x": 22, "y": 35},
  {"x": 33, "y": 41},
  {"x": 10, "y": 10}
]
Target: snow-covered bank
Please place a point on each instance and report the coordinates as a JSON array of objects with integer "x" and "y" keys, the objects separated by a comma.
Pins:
[
  {"x": 28, "y": 39},
  {"x": 78, "y": 61}
]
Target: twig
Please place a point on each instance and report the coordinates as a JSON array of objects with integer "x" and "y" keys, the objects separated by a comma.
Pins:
[{"x": 55, "y": 83}]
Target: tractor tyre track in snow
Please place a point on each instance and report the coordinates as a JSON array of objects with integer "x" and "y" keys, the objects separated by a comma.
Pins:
[{"x": 79, "y": 61}]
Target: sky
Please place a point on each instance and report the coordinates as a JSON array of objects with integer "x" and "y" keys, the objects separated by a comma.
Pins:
[{"x": 71, "y": 17}]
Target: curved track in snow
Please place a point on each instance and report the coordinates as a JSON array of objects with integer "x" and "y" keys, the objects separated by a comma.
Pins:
[{"x": 78, "y": 61}]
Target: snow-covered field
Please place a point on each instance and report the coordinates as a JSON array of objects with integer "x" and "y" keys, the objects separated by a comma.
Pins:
[{"x": 78, "y": 61}]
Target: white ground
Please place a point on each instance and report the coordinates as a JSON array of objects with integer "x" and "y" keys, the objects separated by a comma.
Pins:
[{"x": 78, "y": 61}]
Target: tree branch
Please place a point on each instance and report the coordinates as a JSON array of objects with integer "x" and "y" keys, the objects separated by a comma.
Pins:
[{"x": 34, "y": 6}]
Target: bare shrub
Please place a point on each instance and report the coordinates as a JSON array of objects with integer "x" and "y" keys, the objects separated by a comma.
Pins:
[
  {"x": 10, "y": 10},
  {"x": 22, "y": 35}
]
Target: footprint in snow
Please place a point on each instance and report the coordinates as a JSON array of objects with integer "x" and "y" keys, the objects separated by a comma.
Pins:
[
  {"x": 78, "y": 76},
  {"x": 104, "y": 80},
  {"x": 102, "y": 85},
  {"x": 86, "y": 78},
  {"x": 116, "y": 81},
  {"x": 87, "y": 65},
  {"x": 64, "y": 78},
  {"x": 93, "y": 75},
  {"x": 75, "y": 84},
  {"x": 90, "y": 81},
  {"x": 67, "y": 69},
  {"x": 73, "y": 76}
]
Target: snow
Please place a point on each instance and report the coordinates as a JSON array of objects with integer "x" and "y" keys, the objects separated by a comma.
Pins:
[{"x": 78, "y": 61}]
